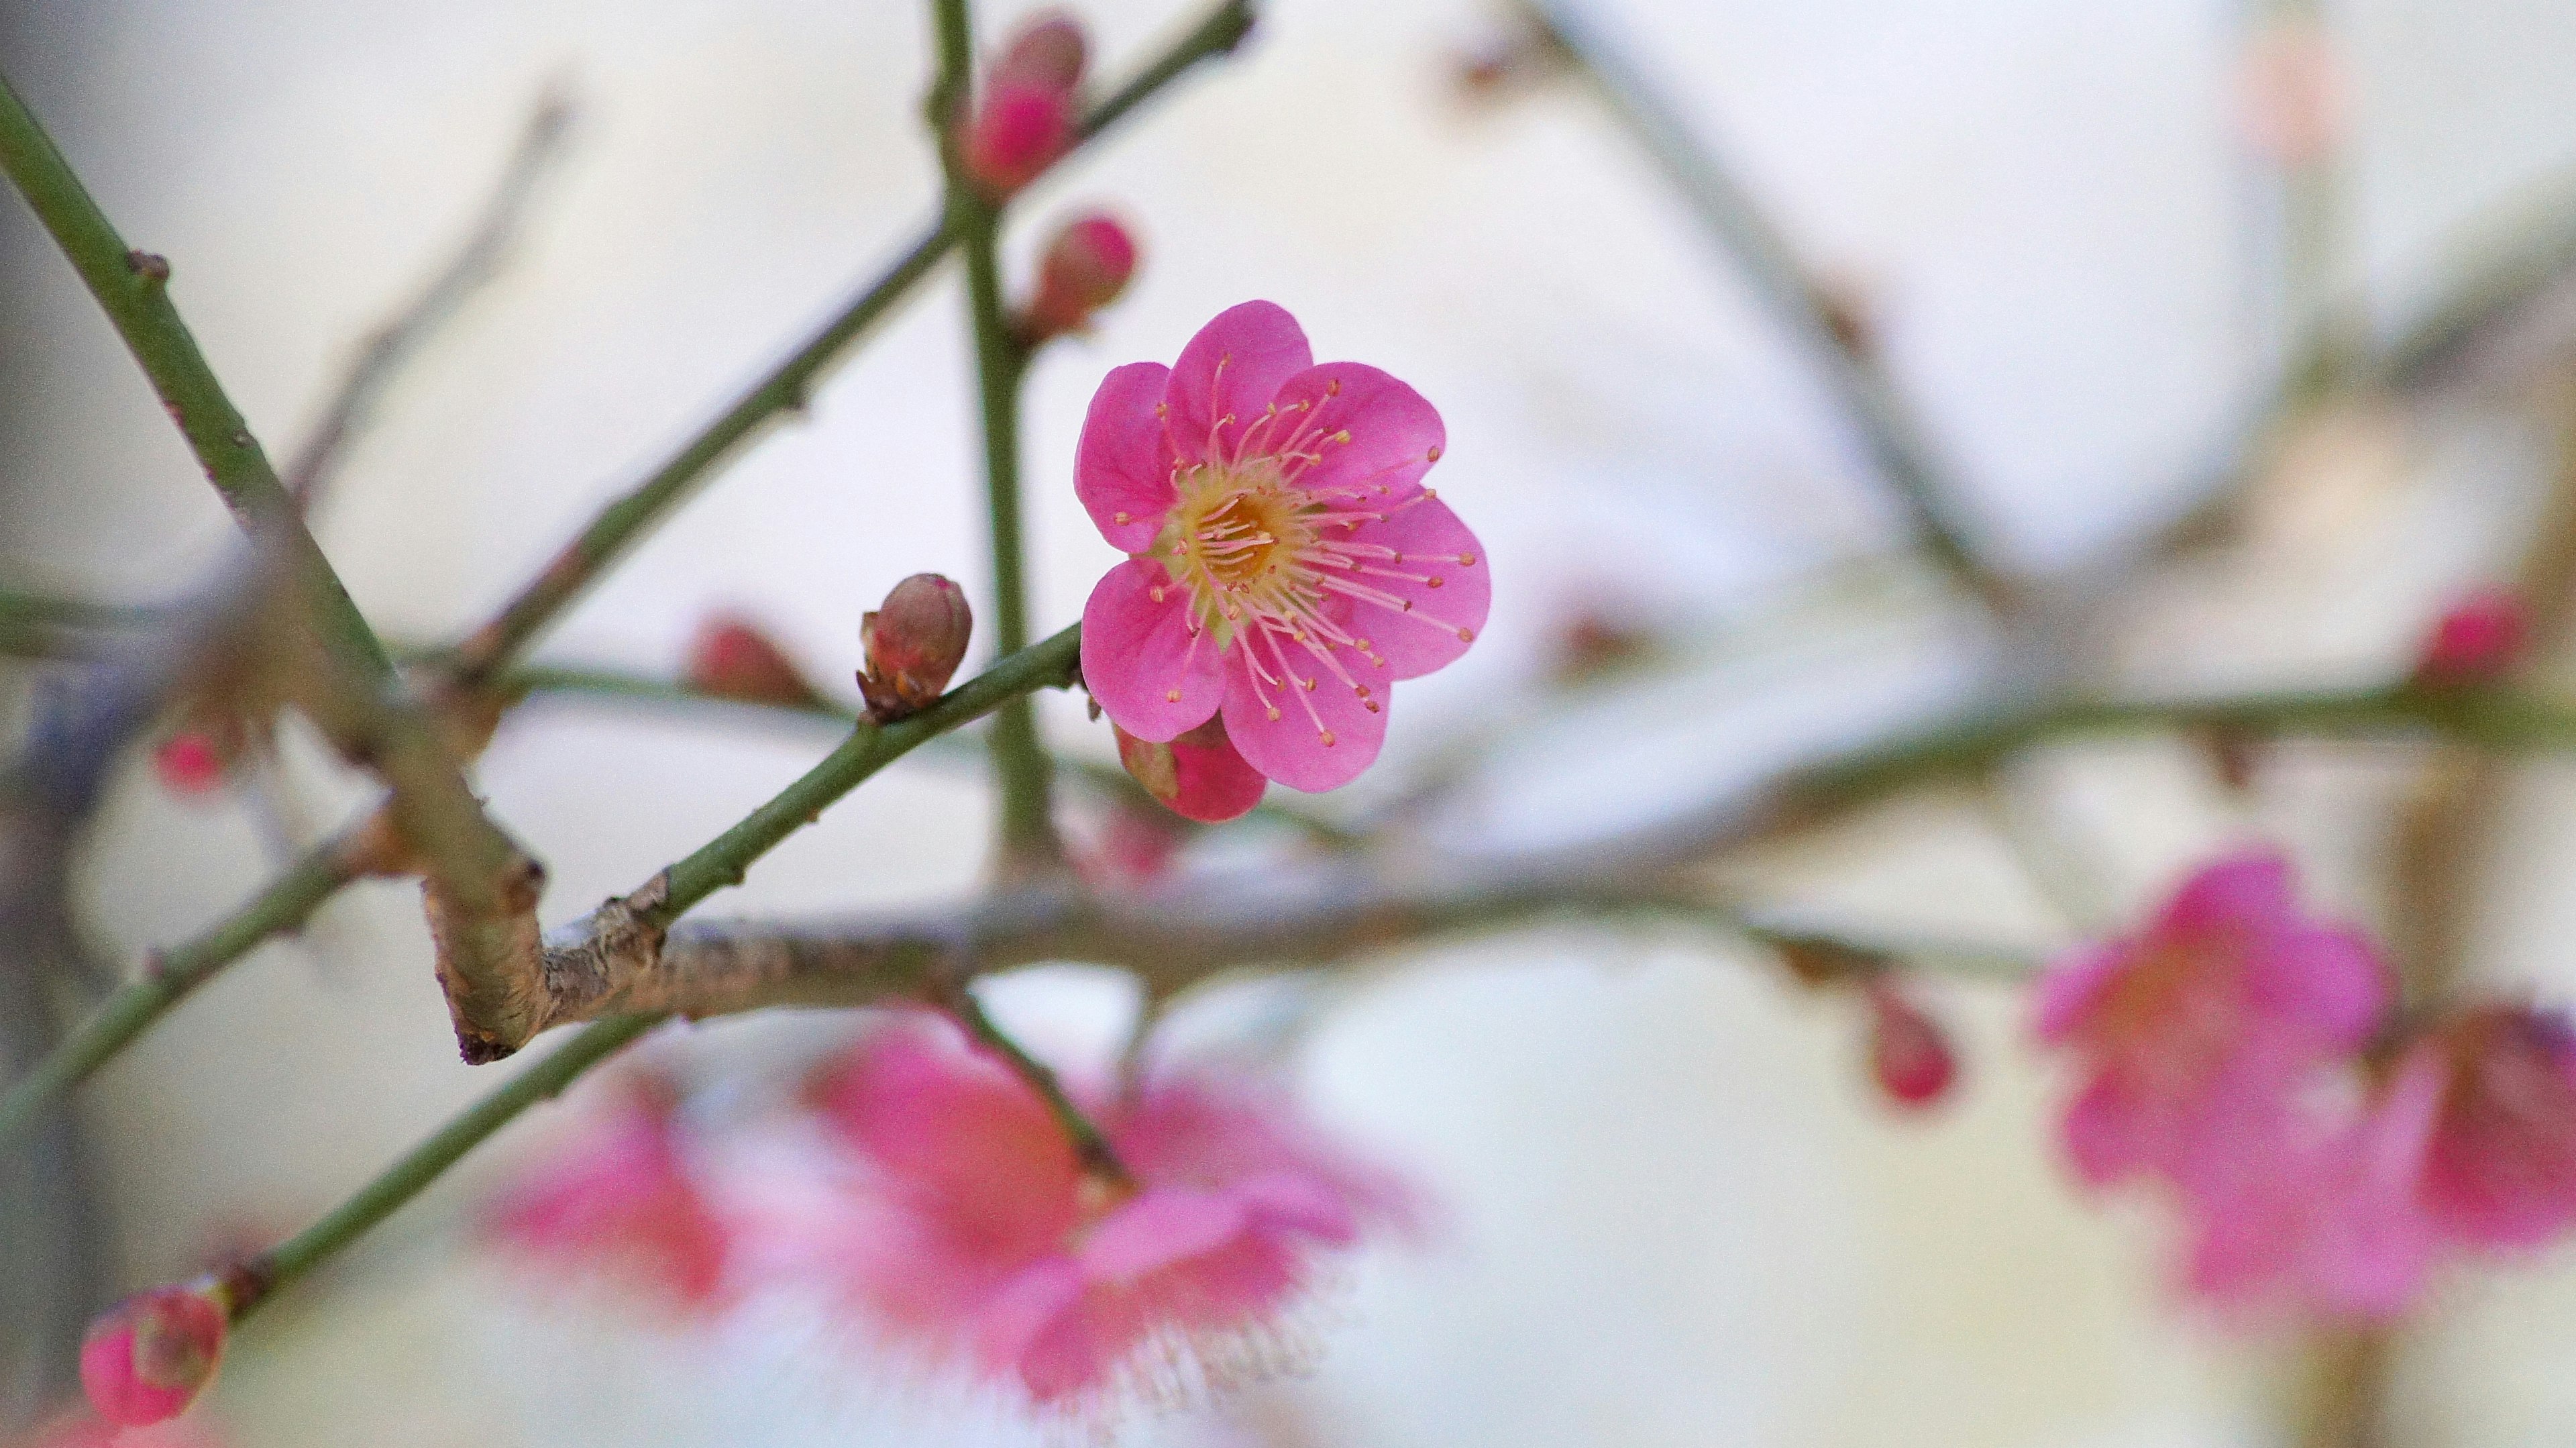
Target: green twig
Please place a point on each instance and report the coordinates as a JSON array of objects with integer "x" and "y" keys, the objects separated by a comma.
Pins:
[
  {"x": 133, "y": 1007},
  {"x": 1090, "y": 1144}
]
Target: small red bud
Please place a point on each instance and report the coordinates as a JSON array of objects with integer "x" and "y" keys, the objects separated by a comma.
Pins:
[
  {"x": 1017, "y": 133},
  {"x": 732, "y": 659},
  {"x": 914, "y": 642},
  {"x": 188, "y": 763},
  {"x": 1909, "y": 1053},
  {"x": 1048, "y": 51},
  {"x": 2476, "y": 641},
  {"x": 1085, "y": 268},
  {"x": 148, "y": 1357}
]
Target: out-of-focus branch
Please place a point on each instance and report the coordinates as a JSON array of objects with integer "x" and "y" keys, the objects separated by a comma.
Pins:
[
  {"x": 166, "y": 979},
  {"x": 1896, "y": 440},
  {"x": 1027, "y": 844},
  {"x": 481, "y": 887},
  {"x": 785, "y": 389},
  {"x": 487, "y": 243}
]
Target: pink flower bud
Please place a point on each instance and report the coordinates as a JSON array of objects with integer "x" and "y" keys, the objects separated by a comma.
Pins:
[
  {"x": 1047, "y": 51},
  {"x": 732, "y": 659},
  {"x": 1085, "y": 268},
  {"x": 148, "y": 1357},
  {"x": 1909, "y": 1053},
  {"x": 1017, "y": 133},
  {"x": 2476, "y": 641},
  {"x": 1198, "y": 776},
  {"x": 188, "y": 763},
  {"x": 914, "y": 642}
]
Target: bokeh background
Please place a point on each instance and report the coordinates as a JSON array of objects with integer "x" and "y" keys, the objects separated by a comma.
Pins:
[{"x": 1672, "y": 1211}]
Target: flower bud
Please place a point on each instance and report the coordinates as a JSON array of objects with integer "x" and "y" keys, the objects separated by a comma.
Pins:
[
  {"x": 148, "y": 1357},
  {"x": 1047, "y": 51},
  {"x": 2475, "y": 642},
  {"x": 1084, "y": 269},
  {"x": 1017, "y": 133},
  {"x": 732, "y": 659},
  {"x": 1198, "y": 776},
  {"x": 914, "y": 642},
  {"x": 188, "y": 763},
  {"x": 1909, "y": 1053}
]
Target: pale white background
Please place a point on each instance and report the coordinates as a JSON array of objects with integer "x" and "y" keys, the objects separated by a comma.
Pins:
[{"x": 1673, "y": 1214}]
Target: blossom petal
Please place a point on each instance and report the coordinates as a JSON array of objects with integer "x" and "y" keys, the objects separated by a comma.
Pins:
[
  {"x": 1159, "y": 1228},
  {"x": 2251, "y": 888},
  {"x": 1154, "y": 673},
  {"x": 1122, "y": 467},
  {"x": 1303, "y": 727},
  {"x": 1372, "y": 436},
  {"x": 1300, "y": 1201},
  {"x": 1421, "y": 605},
  {"x": 2067, "y": 991},
  {"x": 2328, "y": 983},
  {"x": 1231, "y": 369}
]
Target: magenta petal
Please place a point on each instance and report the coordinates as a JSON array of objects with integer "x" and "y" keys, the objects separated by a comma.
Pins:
[
  {"x": 1310, "y": 738},
  {"x": 2327, "y": 983},
  {"x": 2106, "y": 1135},
  {"x": 1231, "y": 369},
  {"x": 1374, "y": 437},
  {"x": 1158, "y": 1228},
  {"x": 1023, "y": 1309},
  {"x": 1300, "y": 1201},
  {"x": 2067, "y": 991},
  {"x": 1122, "y": 468},
  {"x": 1420, "y": 609},
  {"x": 1141, "y": 658},
  {"x": 1216, "y": 784},
  {"x": 2252, "y": 888}
]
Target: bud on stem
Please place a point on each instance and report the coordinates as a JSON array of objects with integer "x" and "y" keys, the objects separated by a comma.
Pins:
[
  {"x": 914, "y": 642},
  {"x": 1085, "y": 267},
  {"x": 146, "y": 1359}
]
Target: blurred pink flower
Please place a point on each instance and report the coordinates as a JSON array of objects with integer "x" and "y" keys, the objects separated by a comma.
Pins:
[
  {"x": 1029, "y": 110},
  {"x": 992, "y": 1245},
  {"x": 2195, "y": 1036},
  {"x": 189, "y": 763},
  {"x": 146, "y": 1359},
  {"x": 1285, "y": 561},
  {"x": 621, "y": 1196},
  {"x": 2477, "y": 639}
]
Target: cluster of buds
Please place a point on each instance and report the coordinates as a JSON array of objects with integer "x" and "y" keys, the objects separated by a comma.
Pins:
[
  {"x": 914, "y": 642},
  {"x": 146, "y": 1359},
  {"x": 1085, "y": 267},
  {"x": 731, "y": 658},
  {"x": 1030, "y": 106}
]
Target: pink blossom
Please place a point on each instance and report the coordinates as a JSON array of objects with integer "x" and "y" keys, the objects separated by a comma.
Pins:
[
  {"x": 2193, "y": 1037},
  {"x": 621, "y": 1196},
  {"x": 147, "y": 1358},
  {"x": 1909, "y": 1053},
  {"x": 1285, "y": 562},
  {"x": 732, "y": 658},
  {"x": 2475, "y": 641},
  {"x": 993, "y": 1245}
]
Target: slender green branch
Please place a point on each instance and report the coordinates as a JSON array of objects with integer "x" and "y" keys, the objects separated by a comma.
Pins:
[
  {"x": 255, "y": 1282},
  {"x": 133, "y": 1008},
  {"x": 787, "y": 387},
  {"x": 1028, "y": 843},
  {"x": 1090, "y": 1144},
  {"x": 1896, "y": 440}
]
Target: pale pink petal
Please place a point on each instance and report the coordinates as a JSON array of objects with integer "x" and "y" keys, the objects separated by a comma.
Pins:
[
  {"x": 1227, "y": 375},
  {"x": 1014, "y": 1324},
  {"x": 1122, "y": 467},
  {"x": 2251, "y": 888},
  {"x": 1216, "y": 784},
  {"x": 2499, "y": 1170},
  {"x": 2067, "y": 991},
  {"x": 1420, "y": 609},
  {"x": 1141, "y": 657},
  {"x": 2324, "y": 983},
  {"x": 1161, "y": 1226},
  {"x": 2105, "y": 1134},
  {"x": 1301, "y": 1202},
  {"x": 1371, "y": 437},
  {"x": 1300, "y": 725}
]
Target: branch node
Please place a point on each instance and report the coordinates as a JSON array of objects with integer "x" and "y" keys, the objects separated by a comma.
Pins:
[{"x": 153, "y": 268}]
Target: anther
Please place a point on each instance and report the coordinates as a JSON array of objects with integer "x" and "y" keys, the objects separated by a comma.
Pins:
[
  {"x": 1466, "y": 636},
  {"x": 1432, "y": 582},
  {"x": 1155, "y": 593},
  {"x": 1343, "y": 436},
  {"x": 1369, "y": 704},
  {"x": 1119, "y": 517},
  {"x": 1274, "y": 713},
  {"x": 1328, "y": 739},
  {"x": 1162, "y": 409},
  {"x": 1333, "y": 388},
  {"x": 1466, "y": 560},
  {"x": 1432, "y": 456},
  {"x": 1171, "y": 696}
]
